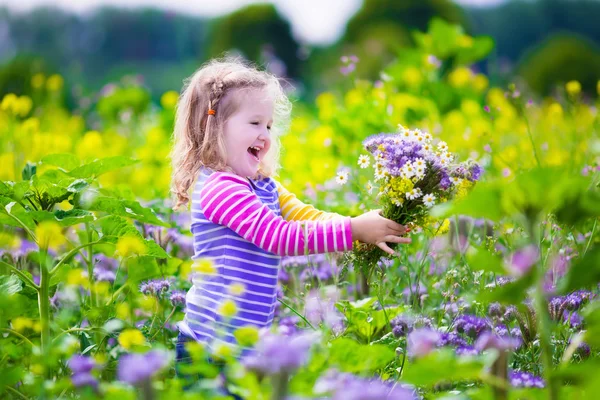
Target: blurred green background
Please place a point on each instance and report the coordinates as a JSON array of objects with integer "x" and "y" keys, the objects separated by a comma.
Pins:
[{"x": 545, "y": 42}]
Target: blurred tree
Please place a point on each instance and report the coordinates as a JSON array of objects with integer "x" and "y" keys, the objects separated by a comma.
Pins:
[
  {"x": 260, "y": 34},
  {"x": 16, "y": 75},
  {"x": 381, "y": 28},
  {"x": 559, "y": 59}
]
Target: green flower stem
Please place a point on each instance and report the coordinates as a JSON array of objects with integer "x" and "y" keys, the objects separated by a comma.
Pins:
[
  {"x": 587, "y": 246},
  {"x": 71, "y": 254},
  {"x": 166, "y": 320},
  {"x": 44, "y": 302},
  {"x": 13, "y": 332},
  {"x": 280, "y": 385},
  {"x": 16, "y": 392},
  {"x": 297, "y": 313},
  {"x": 21, "y": 275},
  {"x": 543, "y": 318}
]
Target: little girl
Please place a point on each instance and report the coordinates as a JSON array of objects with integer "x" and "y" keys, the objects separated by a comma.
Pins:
[{"x": 243, "y": 221}]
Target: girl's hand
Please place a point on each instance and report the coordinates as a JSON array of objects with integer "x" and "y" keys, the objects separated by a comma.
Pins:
[{"x": 372, "y": 228}]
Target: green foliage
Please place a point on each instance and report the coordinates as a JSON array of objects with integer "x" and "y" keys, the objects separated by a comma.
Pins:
[
  {"x": 560, "y": 59},
  {"x": 253, "y": 30}
]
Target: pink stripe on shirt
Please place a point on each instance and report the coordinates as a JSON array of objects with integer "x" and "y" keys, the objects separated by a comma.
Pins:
[{"x": 227, "y": 199}]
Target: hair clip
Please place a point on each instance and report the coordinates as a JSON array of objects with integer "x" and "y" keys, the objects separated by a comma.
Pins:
[{"x": 211, "y": 112}]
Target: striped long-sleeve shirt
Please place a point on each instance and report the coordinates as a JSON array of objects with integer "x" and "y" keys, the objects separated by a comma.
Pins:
[{"x": 238, "y": 224}]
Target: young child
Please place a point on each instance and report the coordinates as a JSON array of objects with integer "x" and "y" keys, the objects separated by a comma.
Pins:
[{"x": 243, "y": 221}]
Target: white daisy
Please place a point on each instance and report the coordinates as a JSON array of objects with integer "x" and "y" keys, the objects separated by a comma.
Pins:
[
  {"x": 427, "y": 136},
  {"x": 408, "y": 171},
  {"x": 379, "y": 174},
  {"x": 443, "y": 146},
  {"x": 419, "y": 162},
  {"x": 414, "y": 194},
  {"x": 398, "y": 202},
  {"x": 401, "y": 129},
  {"x": 429, "y": 200},
  {"x": 369, "y": 187},
  {"x": 455, "y": 181},
  {"x": 363, "y": 161},
  {"x": 342, "y": 177}
]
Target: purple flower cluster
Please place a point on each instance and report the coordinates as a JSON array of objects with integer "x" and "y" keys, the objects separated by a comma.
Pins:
[
  {"x": 314, "y": 266},
  {"x": 472, "y": 325},
  {"x": 177, "y": 298},
  {"x": 565, "y": 307},
  {"x": 525, "y": 380},
  {"x": 156, "y": 287},
  {"x": 82, "y": 367},
  {"x": 402, "y": 325},
  {"x": 135, "y": 368},
  {"x": 105, "y": 268},
  {"x": 344, "y": 386},
  {"x": 422, "y": 341},
  {"x": 275, "y": 353}
]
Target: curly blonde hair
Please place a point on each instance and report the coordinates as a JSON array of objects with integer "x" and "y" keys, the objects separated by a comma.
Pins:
[{"x": 198, "y": 136}]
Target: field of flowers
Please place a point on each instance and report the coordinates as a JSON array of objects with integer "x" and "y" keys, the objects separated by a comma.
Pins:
[{"x": 498, "y": 301}]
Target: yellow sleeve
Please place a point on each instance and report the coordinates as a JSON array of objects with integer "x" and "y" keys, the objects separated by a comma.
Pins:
[{"x": 293, "y": 209}]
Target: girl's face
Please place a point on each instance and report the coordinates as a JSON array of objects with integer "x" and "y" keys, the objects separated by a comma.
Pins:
[{"x": 247, "y": 134}]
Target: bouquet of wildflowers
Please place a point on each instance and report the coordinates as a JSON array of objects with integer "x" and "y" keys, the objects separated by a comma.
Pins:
[{"x": 411, "y": 175}]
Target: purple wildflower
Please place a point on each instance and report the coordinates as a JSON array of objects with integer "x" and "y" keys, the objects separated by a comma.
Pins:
[
  {"x": 523, "y": 259},
  {"x": 525, "y": 380},
  {"x": 422, "y": 341},
  {"x": 344, "y": 386},
  {"x": 177, "y": 298},
  {"x": 135, "y": 368},
  {"x": 155, "y": 287},
  {"x": 490, "y": 340},
  {"x": 276, "y": 354},
  {"x": 471, "y": 325},
  {"x": 401, "y": 325},
  {"x": 82, "y": 366}
]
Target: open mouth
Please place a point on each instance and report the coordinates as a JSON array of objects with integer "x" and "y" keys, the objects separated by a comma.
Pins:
[{"x": 254, "y": 152}]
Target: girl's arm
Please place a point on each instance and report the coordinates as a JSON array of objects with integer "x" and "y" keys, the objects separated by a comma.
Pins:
[
  {"x": 293, "y": 209},
  {"x": 227, "y": 199}
]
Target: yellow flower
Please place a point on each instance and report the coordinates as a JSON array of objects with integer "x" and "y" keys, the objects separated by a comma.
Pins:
[
  {"x": 237, "y": 289},
  {"x": 204, "y": 266},
  {"x": 480, "y": 82},
  {"x": 89, "y": 145},
  {"x": 573, "y": 88},
  {"x": 130, "y": 245},
  {"x": 9, "y": 241},
  {"x": 37, "y": 369},
  {"x": 101, "y": 288},
  {"x": 412, "y": 76},
  {"x": 222, "y": 351},
  {"x": 228, "y": 308},
  {"x": 123, "y": 311},
  {"x": 465, "y": 41},
  {"x": 37, "y": 81},
  {"x": 169, "y": 99},
  {"x": 326, "y": 104},
  {"x": 20, "y": 324},
  {"x": 246, "y": 335},
  {"x": 22, "y": 106},
  {"x": 55, "y": 83},
  {"x": 8, "y": 101},
  {"x": 77, "y": 277},
  {"x": 49, "y": 234},
  {"x": 130, "y": 338},
  {"x": 460, "y": 77},
  {"x": 31, "y": 125},
  {"x": 444, "y": 227}
]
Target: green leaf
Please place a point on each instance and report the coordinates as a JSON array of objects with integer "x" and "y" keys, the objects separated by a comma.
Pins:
[
  {"x": 444, "y": 37},
  {"x": 482, "y": 46},
  {"x": 60, "y": 275},
  {"x": 583, "y": 273},
  {"x": 141, "y": 268},
  {"x": 10, "y": 207},
  {"x": 114, "y": 227},
  {"x": 591, "y": 316},
  {"x": 62, "y": 217},
  {"x": 28, "y": 171},
  {"x": 578, "y": 206},
  {"x": 125, "y": 208},
  {"x": 482, "y": 202},
  {"x": 350, "y": 356},
  {"x": 66, "y": 161},
  {"x": 483, "y": 260},
  {"x": 101, "y": 166},
  {"x": 443, "y": 366},
  {"x": 10, "y": 284}
]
